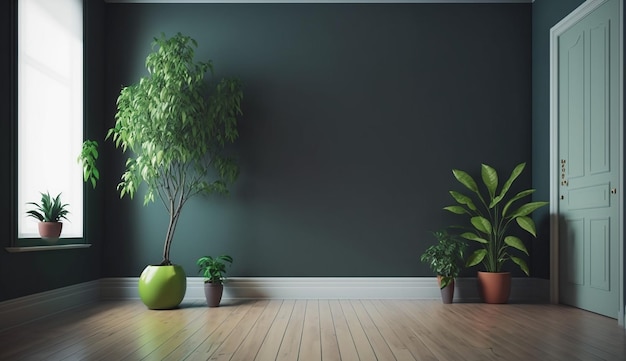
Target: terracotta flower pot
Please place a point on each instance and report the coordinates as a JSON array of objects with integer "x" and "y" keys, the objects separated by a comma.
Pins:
[
  {"x": 50, "y": 231},
  {"x": 494, "y": 287}
]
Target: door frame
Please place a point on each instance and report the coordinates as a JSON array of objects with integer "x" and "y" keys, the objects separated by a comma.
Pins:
[{"x": 583, "y": 10}]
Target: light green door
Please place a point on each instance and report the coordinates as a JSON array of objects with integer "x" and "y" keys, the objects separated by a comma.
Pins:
[{"x": 589, "y": 169}]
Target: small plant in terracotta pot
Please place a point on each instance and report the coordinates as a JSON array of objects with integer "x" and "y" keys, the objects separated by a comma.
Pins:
[
  {"x": 213, "y": 270},
  {"x": 445, "y": 258},
  {"x": 49, "y": 213}
]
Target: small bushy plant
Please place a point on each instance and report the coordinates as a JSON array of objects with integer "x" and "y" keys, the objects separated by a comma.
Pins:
[
  {"x": 445, "y": 258},
  {"x": 213, "y": 268}
]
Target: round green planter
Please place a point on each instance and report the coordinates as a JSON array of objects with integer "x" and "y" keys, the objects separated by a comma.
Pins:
[{"x": 162, "y": 287}]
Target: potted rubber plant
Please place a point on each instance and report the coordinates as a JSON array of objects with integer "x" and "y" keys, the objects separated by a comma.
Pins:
[
  {"x": 175, "y": 129},
  {"x": 445, "y": 259},
  {"x": 213, "y": 270},
  {"x": 491, "y": 212},
  {"x": 49, "y": 213}
]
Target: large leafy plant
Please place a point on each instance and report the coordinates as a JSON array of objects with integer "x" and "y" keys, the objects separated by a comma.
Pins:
[
  {"x": 491, "y": 213},
  {"x": 176, "y": 130},
  {"x": 50, "y": 209},
  {"x": 445, "y": 257}
]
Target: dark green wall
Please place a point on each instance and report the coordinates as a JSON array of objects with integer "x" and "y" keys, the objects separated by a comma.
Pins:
[
  {"x": 354, "y": 116},
  {"x": 545, "y": 14},
  {"x": 33, "y": 272}
]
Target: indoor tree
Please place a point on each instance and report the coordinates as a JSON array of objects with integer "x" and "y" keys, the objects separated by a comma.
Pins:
[{"x": 175, "y": 129}]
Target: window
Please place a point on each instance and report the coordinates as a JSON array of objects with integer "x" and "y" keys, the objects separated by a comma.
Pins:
[{"x": 50, "y": 109}]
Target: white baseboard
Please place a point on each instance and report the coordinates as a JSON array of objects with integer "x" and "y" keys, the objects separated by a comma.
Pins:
[
  {"x": 30, "y": 308},
  {"x": 292, "y": 288},
  {"x": 523, "y": 290}
]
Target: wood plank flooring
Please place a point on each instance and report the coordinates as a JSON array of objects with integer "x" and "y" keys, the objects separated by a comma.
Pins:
[{"x": 326, "y": 330}]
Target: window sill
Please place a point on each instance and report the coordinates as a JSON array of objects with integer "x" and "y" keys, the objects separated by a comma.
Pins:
[{"x": 47, "y": 248}]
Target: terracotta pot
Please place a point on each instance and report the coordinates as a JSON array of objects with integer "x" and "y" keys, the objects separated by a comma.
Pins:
[
  {"x": 494, "y": 287},
  {"x": 447, "y": 293},
  {"x": 213, "y": 293},
  {"x": 50, "y": 231}
]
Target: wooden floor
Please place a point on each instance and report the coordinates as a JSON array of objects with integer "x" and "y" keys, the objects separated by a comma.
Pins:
[{"x": 318, "y": 330}]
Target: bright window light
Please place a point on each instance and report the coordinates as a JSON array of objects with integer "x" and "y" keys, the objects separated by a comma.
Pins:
[{"x": 50, "y": 109}]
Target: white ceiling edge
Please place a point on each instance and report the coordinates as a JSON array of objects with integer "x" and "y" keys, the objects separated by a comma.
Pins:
[{"x": 320, "y": 1}]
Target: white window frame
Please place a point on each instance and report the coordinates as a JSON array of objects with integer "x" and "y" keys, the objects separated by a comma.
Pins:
[{"x": 50, "y": 53}]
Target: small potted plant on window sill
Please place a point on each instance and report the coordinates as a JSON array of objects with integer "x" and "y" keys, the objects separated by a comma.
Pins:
[
  {"x": 445, "y": 258},
  {"x": 213, "y": 269},
  {"x": 49, "y": 214}
]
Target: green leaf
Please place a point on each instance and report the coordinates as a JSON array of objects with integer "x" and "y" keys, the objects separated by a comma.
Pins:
[
  {"x": 36, "y": 215},
  {"x": 463, "y": 199},
  {"x": 522, "y": 264},
  {"x": 465, "y": 179},
  {"x": 482, "y": 224},
  {"x": 87, "y": 158},
  {"x": 445, "y": 281},
  {"x": 518, "y": 196},
  {"x": 473, "y": 237},
  {"x": 490, "y": 179},
  {"x": 514, "y": 174},
  {"x": 476, "y": 257},
  {"x": 527, "y": 224},
  {"x": 515, "y": 243},
  {"x": 527, "y": 209},
  {"x": 456, "y": 209},
  {"x": 507, "y": 185}
]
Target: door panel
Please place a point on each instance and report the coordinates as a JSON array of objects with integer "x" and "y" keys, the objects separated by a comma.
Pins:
[
  {"x": 589, "y": 161},
  {"x": 599, "y": 253},
  {"x": 590, "y": 197},
  {"x": 572, "y": 249},
  {"x": 573, "y": 86},
  {"x": 599, "y": 94}
]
